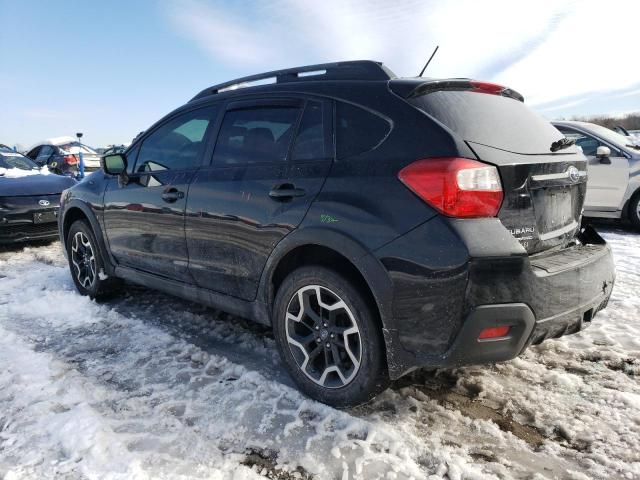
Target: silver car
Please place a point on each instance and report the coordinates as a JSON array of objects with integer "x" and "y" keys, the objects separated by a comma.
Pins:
[{"x": 613, "y": 186}]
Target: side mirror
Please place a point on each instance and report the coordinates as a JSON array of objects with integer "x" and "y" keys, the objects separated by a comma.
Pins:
[
  {"x": 115, "y": 164},
  {"x": 603, "y": 153}
]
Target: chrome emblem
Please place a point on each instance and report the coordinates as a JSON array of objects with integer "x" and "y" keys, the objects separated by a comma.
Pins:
[
  {"x": 574, "y": 174},
  {"x": 44, "y": 203}
]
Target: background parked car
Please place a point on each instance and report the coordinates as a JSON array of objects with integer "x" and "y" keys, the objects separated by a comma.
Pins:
[
  {"x": 114, "y": 149},
  {"x": 631, "y": 137},
  {"x": 29, "y": 198},
  {"x": 614, "y": 171},
  {"x": 61, "y": 155}
]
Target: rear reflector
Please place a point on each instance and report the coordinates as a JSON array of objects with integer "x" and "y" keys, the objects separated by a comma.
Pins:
[
  {"x": 70, "y": 159},
  {"x": 456, "y": 187},
  {"x": 494, "y": 332}
]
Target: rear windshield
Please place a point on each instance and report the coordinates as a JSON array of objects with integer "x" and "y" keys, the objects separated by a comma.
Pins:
[{"x": 491, "y": 120}]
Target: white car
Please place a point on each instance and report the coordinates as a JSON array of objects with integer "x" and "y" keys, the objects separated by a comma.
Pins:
[
  {"x": 613, "y": 168},
  {"x": 62, "y": 155}
]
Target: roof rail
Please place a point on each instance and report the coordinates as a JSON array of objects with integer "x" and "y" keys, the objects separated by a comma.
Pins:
[{"x": 352, "y": 70}]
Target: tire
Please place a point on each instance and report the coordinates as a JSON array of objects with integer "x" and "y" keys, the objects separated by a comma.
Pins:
[
  {"x": 634, "y": 211},
  {"x": 308, "y": 349},
  {"x": 86, "y": 263}
]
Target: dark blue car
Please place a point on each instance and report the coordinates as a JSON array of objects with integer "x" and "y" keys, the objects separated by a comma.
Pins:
[{"x": 29, "y": 198}]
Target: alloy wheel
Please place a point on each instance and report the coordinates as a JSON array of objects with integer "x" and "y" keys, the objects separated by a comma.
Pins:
[
  {"x": 323, "y": 336},
  {"x": 83, "y": 259}
]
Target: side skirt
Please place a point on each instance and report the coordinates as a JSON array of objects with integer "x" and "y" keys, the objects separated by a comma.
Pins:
[
  {"x": 252, "y": 310},
  {"x": 602, "y": 213}
]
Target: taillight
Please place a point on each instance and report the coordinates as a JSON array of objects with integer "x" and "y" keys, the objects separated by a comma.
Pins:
[
  {"x": 456, "y": 187},
  {"x": 70, "y": 160}
]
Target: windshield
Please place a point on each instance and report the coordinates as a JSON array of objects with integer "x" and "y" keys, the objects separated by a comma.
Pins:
[
  {"x": 610, "y": 135},
  {"x": 491, "y": 120},
  {"x": 10, "y": 159}
]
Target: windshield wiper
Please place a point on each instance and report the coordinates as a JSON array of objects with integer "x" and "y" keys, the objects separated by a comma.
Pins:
[
  {"x": 561, "y": 144},
  {"x": 630, "y": 145}
]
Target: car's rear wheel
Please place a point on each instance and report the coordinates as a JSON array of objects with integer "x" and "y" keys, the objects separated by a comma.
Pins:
[
  {"x": 328, "y": 337},
  {"x": 86, "y": 263},
  {"x": 634, "y": 211}
]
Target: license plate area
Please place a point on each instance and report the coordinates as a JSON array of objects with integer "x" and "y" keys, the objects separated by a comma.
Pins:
[
  {"x": 554, "y": 208},
  {"x": 45, "y": 217}
]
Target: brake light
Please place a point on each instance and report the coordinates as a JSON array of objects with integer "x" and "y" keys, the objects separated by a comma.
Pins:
[
  {"x": 494, "y": 332},
  {"x": 70, "y": 160},
  {"x": 456, "y": 187},
  {"x": 487, "y": 87}
]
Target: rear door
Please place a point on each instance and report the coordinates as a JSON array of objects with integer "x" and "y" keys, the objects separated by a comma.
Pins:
[
  {"x": 269, "y": 162},
  {"x": 608, "y": 177},
  {"x": 144, "y": 219}
]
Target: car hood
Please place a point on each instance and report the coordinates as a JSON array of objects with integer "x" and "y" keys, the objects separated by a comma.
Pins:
[{"x": 34, "y": 185}]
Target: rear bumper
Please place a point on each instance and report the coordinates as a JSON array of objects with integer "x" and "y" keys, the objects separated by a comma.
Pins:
[{"x": 539, "y": 297}]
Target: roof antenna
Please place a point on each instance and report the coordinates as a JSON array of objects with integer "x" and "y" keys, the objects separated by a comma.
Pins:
[{"x": 429, "y": 61}]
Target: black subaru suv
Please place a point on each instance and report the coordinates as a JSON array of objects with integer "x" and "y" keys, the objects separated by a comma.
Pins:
[{"x": 379, "y": 224}]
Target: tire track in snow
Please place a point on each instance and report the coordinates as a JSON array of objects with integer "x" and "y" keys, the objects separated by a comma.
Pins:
[
  {"x": 442, "y": 424},
  {"x": 168, "y": 404}
]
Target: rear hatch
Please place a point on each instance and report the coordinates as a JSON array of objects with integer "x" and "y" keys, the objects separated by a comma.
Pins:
[{"x": 543, "y": 190}]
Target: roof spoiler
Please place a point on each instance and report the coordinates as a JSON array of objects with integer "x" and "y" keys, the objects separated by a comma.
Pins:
[
  {"x": 463, "y": 85},
  {"x": 352, "y": 70}
]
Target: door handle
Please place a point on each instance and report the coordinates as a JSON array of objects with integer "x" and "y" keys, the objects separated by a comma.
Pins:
[
  {"x": 286, "y": 191},
  {"x": 172, "y": 195}
]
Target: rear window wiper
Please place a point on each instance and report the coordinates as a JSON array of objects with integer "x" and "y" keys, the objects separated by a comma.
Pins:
[{"x": 561, "y": 144}]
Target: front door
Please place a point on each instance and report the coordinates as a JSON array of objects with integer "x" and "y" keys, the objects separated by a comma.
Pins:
[
  {"x": 144, "y": 219},
  {"x": 608, "y": 177},
  {"x": 268, "y": 165}
]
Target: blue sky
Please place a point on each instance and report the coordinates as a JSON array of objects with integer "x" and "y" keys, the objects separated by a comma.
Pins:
[{"x": 110, "y": 69}]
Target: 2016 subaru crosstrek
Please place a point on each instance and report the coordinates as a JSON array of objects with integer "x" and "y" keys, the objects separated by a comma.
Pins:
[{"x": 378, "y": 224}]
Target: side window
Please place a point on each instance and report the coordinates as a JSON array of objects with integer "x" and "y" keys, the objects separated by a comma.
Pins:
[
  {"x": 45, "y": 152},
  {"x": 357, "y": 130},
  {"x": 132, "y": 157},
  {"x": 178, "y": 144},
  {"x": 312, "y": 141},
  {"x": 255, "y": 135},
  {"x": 33, "y": 154},
  {"x": 587, "y": 143}
]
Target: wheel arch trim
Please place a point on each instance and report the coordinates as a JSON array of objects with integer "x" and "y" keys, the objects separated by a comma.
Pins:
[
  {"x": 89, "y": 214},
  {"x": 371, "y": 270}
]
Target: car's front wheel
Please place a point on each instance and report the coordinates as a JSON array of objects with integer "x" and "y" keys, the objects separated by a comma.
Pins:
[
  {"x": 328, "y": 337},
  {"x": 86, "y": 263}
]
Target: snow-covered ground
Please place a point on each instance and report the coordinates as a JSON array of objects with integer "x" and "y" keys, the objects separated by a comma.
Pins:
[{"x": 146, "y": 386}]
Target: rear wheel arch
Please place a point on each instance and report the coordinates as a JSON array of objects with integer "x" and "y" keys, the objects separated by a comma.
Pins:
[{"x": 338, "y": 253}]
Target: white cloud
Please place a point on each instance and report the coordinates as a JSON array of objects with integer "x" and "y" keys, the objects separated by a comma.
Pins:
[
  {"x": 222, "y": 34},
  {"x": 547, "y": 50},
  {"x": 593, "y": 51}
]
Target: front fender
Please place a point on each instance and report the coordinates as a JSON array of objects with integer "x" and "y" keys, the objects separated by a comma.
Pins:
[{"x": 71, "y": 208}]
